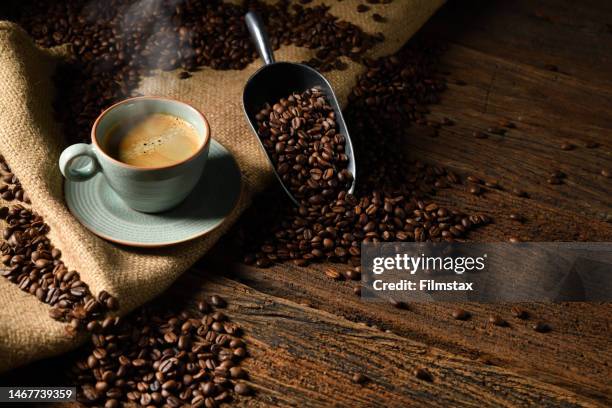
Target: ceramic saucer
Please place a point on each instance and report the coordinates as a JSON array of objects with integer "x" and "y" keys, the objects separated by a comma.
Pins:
[{"x": 100, "y": 210}]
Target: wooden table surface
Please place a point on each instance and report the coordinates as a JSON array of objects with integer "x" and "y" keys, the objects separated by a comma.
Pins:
[{"x": 546, "y": 66}]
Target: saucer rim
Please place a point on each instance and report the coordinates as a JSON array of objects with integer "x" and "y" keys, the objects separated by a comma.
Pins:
[{"x": 136, "y": 244}]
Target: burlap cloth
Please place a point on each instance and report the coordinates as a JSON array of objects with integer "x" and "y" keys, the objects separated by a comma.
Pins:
[{"x": 31, "y": 142}]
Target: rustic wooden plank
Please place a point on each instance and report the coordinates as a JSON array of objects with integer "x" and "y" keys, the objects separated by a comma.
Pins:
[
  {"x": 574, "y": 36},
  {"x": 546, "y": 115},
  {"x": 574, "y": 355},
  {"x": 302, "y": 356}
]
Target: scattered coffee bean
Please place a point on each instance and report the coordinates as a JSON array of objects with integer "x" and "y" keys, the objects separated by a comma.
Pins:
[
  {"x": 357, "y": 290},
  {"x": 461, "y": 314},
  {"x": 592, "y": 145},
  {"x": 242, "y": 389},
  {"x": 541, "y": 327},
  {"x": 480, "y": 135},
  {"x": 516, "y": 217},
  {"x": 519, "y": 313},
  {"x": 423, "y": 374},
  {"x": 496, "y": 130},
  {"x": 378, "y": 18},
  {"x": 359, "y": 378},
  {"x": 514, "y": 240},
  {"x": 37, "y": 268},
  {"x": 218, "y": 301},
  {"x": 558, "y": 174},
  {"x": 474, "y": 179},
  {"x": 389, "y": 205},
  {"x": 332, "y": 273},
  {"x": 520, "y": 193},
  {"x": 497, "y": 320},
  {"x": 398, "y": 304},
  {"x": 551, "y": 67},
  {"x": 554, "y": 181},
  {"x": 506, "y": 123},
  {"x": 138, "y": 360},
  {"x": 362, "y": 8},
  {"x": 191, "y": 34},
  {"x": 352, "y": 275},
  {"x": 606, "y": 173},
  {"x": 567, "y": 146},
  {"x": 475, "y": 189}
]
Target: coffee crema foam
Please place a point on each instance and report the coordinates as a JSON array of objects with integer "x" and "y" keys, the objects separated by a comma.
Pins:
[{"x": 153, "y": 140}]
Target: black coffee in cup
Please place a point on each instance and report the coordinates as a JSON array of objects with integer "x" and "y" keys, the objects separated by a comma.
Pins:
[{"x": 152, "y": 140}]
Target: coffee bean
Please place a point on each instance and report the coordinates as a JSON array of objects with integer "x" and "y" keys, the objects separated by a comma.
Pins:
[
  {"x": 496, "y": 130},
  {"x": 516, "y": 217},
  {"x": 423, "y": 374},
  {"x": 497, "y": 320},
  {"x": 398, "y": 304},
  {"x": 460, "y": 314},
  {"x": 567, "y": 146},
  {"x": 333, "y": 273},
  {"x": 134, "y": 363},
  {"x": 362, "y": 8},
  {"x": 506, "y": 123},
  {"x": 480, "y": 135},
  {"x": 317, "y": 152},
  {"x": 592, "y": 144},
  {"x": 541, "y": 327},
  {"x": 557, "y": 174},
  {"x": 554, "y": 181},
  {"x": 475, "y": 189},
  {"x": 474, "y": 179},
  {"x": 519, "y": 313},
  {"x": 218, "y": 301},
  {"x": 242, "y": 389},
  {"x": 359, "y": 378},
  {"x": 520, "y": 193},
  {"x": 378, "y": 18},
  {"x": 514, "y": 240},
  {"x": 186, "y": 38},
  {"x": 331, "y": 224},
  {"x": 352, "y": 275},
  {"x": 606, "y": 173},
  {"x": 43, "y": 274},
  {"x": 551, "y": 67},
  {"x": 357, "y": 290}
]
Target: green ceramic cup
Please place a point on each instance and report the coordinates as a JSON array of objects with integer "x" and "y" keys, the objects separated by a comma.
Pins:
[{"x": 151, "y": 189}]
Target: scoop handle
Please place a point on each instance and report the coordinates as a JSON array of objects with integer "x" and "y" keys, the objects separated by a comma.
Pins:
[{"x": 259, "y": 36}]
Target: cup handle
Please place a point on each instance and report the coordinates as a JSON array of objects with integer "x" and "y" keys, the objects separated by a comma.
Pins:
[{"x": 70, "y": 154}]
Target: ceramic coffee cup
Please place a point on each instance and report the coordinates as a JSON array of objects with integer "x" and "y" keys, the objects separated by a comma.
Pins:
[{"x": 146, "y": 189}]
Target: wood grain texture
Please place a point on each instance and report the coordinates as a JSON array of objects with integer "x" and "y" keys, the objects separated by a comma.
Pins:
[
  {"x": 302, "y": 356},
  {"x": 574, "y": 355},
  {"x": 308, "y": 334}
]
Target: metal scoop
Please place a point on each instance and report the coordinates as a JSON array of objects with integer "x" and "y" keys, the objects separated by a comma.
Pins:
[{"x": 276, "y": 80}]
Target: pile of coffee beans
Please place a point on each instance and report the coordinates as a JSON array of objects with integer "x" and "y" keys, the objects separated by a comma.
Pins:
[
  {"x": 161, "y": 357},
  {"x": 118, "y": 42},
  {"x": 10, "y": 187},
  {"x": 392, "y": 201},
  {"x": 31, "y": 262},
  {"x": 301, "y": 136}
]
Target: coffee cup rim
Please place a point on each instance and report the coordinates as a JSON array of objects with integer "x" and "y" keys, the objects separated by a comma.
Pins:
[{"x": 94, "y": 139}]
